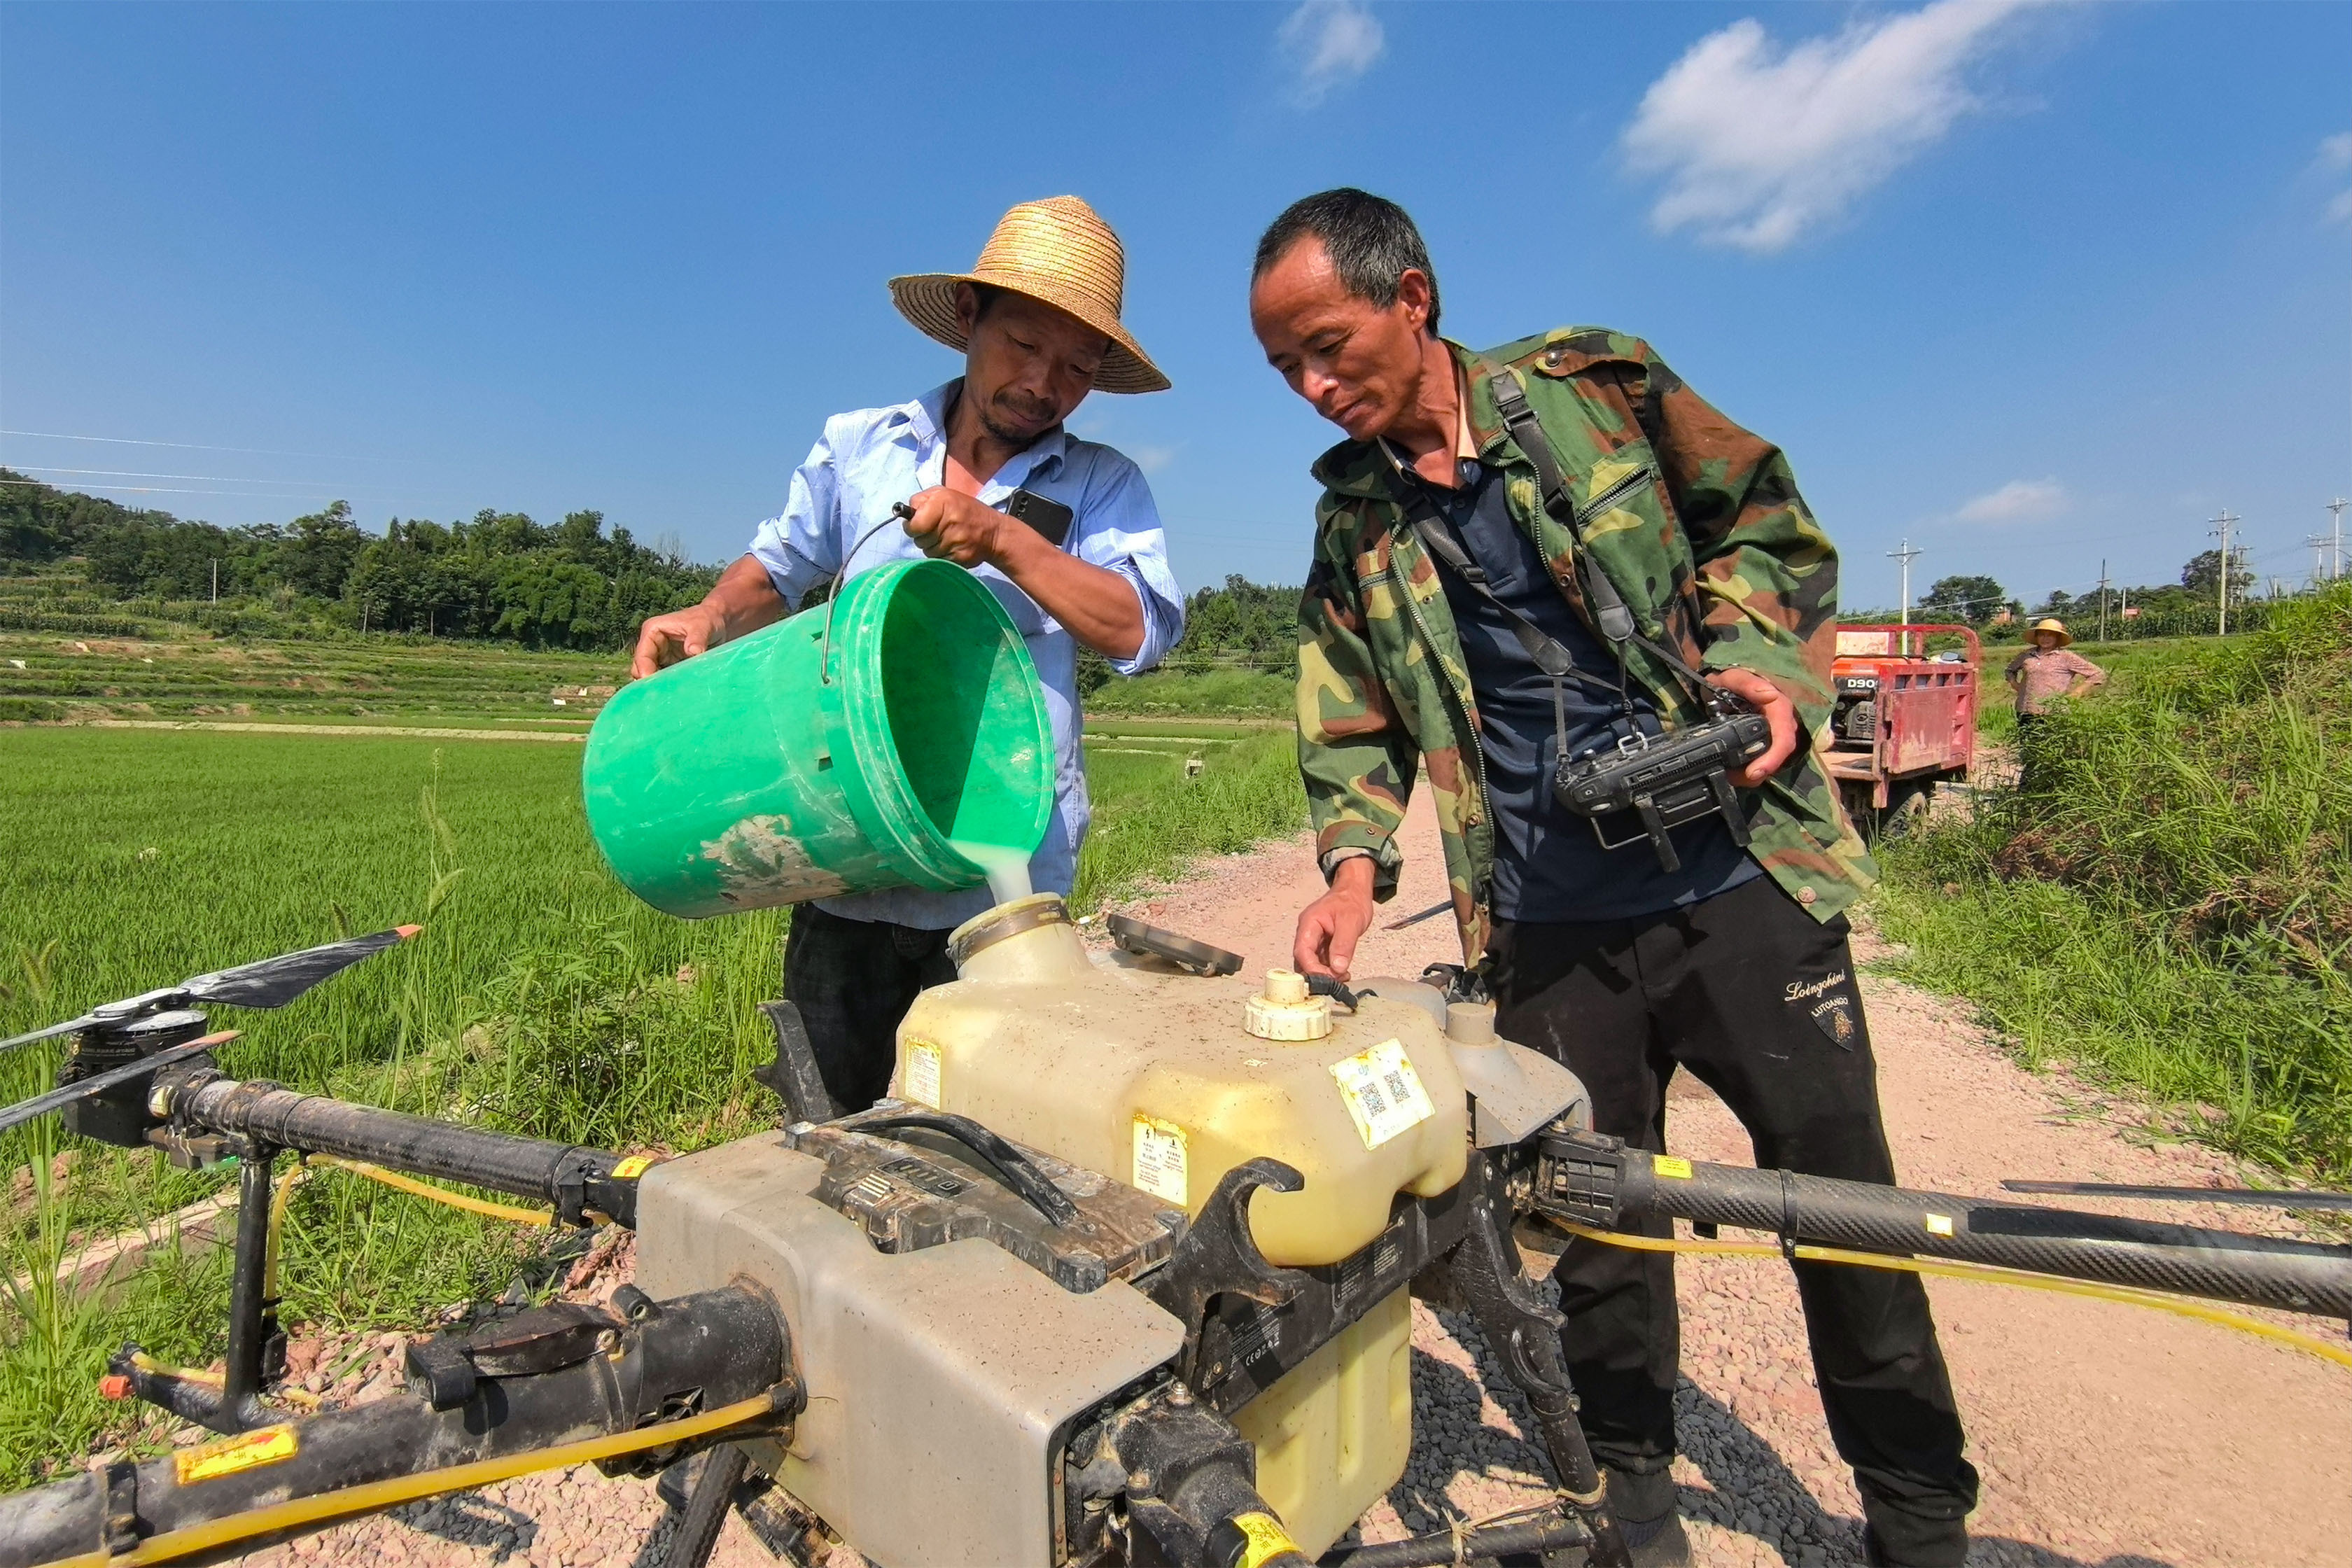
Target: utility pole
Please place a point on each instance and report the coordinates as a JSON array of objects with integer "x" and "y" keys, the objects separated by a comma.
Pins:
[
  {"x": 2318, "y": 542},
  {"x": 215, "y": 579},
  {"x": 2221, "y": 526},
  {"x": 2336, "y": 551},
  {"x": 1906, "y": 555},
  {"x": 2103, "y": 601}
]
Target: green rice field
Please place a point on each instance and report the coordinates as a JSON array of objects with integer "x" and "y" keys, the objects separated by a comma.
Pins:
[{"x": 542, "y": 998}]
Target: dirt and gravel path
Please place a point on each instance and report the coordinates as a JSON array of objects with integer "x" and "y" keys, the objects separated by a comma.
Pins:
[{"x": 2107, "y": 1434}]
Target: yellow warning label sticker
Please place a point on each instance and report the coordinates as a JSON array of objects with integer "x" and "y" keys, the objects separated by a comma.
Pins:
[
  {"x": 226, "y": 1456},
  {"x": 1162, "y": 1167},
  {"x": 920, "y": 1075},
  {"x": 1383, "y": 1094},
  {"x": 634, "y": 1167},
  {"x": 1940, "y": 1225},
  {"x": 1672, "y": 1165},
  {"x": 1266, "y": 1538}
]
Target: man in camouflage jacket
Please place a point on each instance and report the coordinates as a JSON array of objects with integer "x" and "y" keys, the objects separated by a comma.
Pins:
[{"x": 1735, "y": 966}]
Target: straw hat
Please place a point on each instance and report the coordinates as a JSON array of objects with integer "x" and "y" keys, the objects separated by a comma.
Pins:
[
  {"x": 2047, "y": 624},
  {"x": 1058, "y": 251}
]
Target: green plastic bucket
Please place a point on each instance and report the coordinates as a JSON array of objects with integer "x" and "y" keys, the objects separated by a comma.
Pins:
[{"x": 740, "y": 780}]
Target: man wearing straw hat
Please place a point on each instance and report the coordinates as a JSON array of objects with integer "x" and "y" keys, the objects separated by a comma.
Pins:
[{"x": 1037, "y": 321}]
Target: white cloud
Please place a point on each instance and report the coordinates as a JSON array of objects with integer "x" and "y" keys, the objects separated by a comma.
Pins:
[
  {"x": 1329, "y": 42},
  {"x": 2020, "y": 501},
  {"x": 1758, "y": 143},
  {"x": 1152, "y": 460},
  {"x": 2335, "y": 152}
]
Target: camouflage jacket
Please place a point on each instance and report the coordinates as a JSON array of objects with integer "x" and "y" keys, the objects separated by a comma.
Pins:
[{"x": 1696, "y": 522}]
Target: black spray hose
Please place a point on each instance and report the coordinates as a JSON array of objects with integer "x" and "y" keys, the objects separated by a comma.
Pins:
[
  {"x": 706, "y": 1507},
  {"x": 1477, "y": 1544},
  {"x": 582, "y": 1184},
  {"x": 691, "y": 1354},
  {"x": 2223, "y": 1266}
]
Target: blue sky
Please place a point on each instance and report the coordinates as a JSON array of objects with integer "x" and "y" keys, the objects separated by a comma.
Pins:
[{"x": 2030, "y": 285}]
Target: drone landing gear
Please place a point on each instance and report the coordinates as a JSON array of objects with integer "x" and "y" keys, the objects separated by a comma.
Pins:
[
  {"x": 1525, "y": 1332},
  {"x": 257, "y": 1346}
]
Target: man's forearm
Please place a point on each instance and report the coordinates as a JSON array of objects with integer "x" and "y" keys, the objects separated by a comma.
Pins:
[
  {"x": 744, "y": 599},
  {"x": 1094, "y": 604}
]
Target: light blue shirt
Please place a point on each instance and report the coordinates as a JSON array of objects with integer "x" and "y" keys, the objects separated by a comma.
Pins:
[{"x": 866, "y": 461}]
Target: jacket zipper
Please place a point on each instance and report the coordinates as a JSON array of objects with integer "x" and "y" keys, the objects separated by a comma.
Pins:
[{"x": 1613, "y": 494}]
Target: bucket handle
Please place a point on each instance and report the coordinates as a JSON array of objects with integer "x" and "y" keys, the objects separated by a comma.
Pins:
[{"x": 900, "y": 512}]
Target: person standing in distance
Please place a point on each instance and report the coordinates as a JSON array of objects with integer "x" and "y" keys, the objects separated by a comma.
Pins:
[
  {"x": 1037, "y": 321},
  {"x": 2047, "y": 670},
  {"x": 1733, "y": 966}
]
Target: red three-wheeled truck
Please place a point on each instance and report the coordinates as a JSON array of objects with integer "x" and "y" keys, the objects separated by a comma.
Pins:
[{"x": 1905, "y": 718}]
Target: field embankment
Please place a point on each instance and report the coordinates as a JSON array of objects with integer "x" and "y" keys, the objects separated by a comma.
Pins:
[
  {"x": 50, "y": 678},
  {"x": 2167, "y": 899}
]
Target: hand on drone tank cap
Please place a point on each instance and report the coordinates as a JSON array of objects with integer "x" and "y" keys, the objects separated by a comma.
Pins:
[
  {"x": 949, "y": 525},
  {"x": 1329, "y": 928},
  {"x": 1778, "y": 712}
]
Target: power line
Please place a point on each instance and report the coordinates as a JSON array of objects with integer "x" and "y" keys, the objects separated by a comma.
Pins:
[
  {"x": 143, "y": 474},
  {"x": 171, "y": 491},
  {"x": 198, "y": 446}
]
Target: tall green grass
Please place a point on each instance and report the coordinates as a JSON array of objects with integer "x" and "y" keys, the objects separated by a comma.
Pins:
[
  {"x": 1226, "y": 693},
  {"x": 2170, "y": 900},
  {"x": 541, "y": 999}
]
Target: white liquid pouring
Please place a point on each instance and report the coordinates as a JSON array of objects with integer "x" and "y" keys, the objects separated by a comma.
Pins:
[{"x": 1007, "y": 870}]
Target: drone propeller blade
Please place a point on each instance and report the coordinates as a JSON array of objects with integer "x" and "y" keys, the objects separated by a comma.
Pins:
[
  {"x": 2248, "y": 1196},
  {"x": 26, "y": 1109},
  {"x": 266, "y": 982},
  {"x": 84, "y": 1022},
  {"x": 274, "y": 982}
]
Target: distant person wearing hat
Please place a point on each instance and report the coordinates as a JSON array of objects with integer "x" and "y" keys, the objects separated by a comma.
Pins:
[
  {"x": 1037, "y": 321},
  {"x": 2048, "y": 670}
]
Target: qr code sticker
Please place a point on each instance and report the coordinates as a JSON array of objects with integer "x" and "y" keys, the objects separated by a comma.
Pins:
[{"x": 1384, "y": 1095}]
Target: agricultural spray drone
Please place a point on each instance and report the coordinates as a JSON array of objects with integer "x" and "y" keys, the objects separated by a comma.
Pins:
[{"x": 1121, "y": 1277}]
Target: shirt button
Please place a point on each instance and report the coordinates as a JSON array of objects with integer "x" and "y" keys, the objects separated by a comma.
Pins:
[{"x": 1806, "y": 895}]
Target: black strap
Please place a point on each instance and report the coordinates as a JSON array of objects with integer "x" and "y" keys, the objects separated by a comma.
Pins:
[
  {"x": 1608, "y": 608},
  {"x": 1550, "y": 654},
  {"x": 1437, "y": 537}
]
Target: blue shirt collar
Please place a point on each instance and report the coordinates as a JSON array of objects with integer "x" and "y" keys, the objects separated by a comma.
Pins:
[{"x": 926, "y": 420}]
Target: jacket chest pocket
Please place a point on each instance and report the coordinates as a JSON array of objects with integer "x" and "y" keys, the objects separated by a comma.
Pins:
[{"x": 1628, "y": 524}]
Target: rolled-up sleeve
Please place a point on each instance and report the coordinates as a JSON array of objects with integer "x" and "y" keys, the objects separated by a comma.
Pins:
[
  {"x": 1119, "y": 530},
  {"x": 801, "y": 547}
]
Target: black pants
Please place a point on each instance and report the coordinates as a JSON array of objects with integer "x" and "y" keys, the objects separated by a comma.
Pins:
[
  {"x": 1758, "y": 999},
  {"x": 853, "y": 982}
]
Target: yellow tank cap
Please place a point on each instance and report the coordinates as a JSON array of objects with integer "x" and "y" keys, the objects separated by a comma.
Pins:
[{"x": 1284, "y": 1011}]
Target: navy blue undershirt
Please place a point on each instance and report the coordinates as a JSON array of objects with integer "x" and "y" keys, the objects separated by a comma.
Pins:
[{"x": 1548, "y": 866}]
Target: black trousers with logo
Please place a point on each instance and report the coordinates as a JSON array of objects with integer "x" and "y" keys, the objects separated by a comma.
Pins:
[
  {"x": 1756, "y": 999},
  {"x": 853, "y": 982}
]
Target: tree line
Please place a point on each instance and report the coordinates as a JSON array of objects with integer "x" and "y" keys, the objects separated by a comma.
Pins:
[
  {"x": 573, "y": 585},
  {"x": 1979, "y": 600},
  {"x": 501, "y": 575}
]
